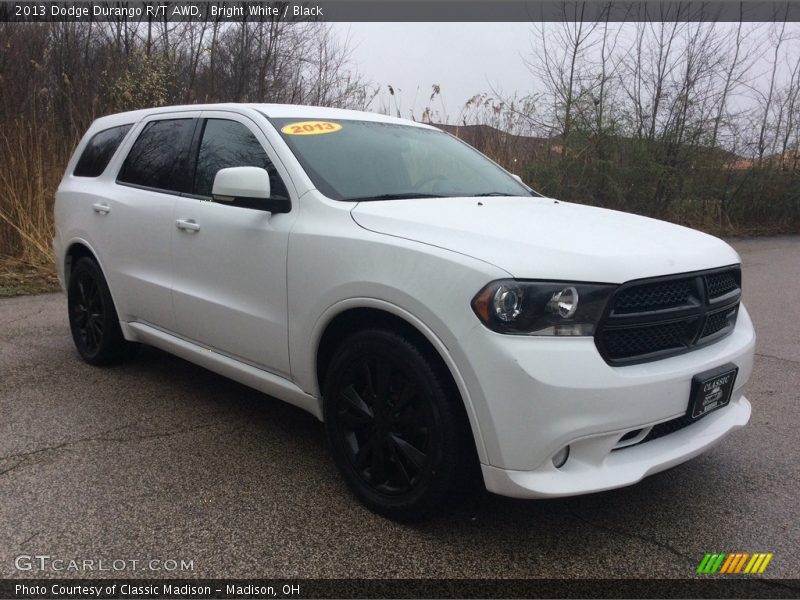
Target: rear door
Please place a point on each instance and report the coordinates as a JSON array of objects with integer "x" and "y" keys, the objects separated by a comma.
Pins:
[
  {"x": 153, "y": 174},
  {"x": 229, "y": 262}
]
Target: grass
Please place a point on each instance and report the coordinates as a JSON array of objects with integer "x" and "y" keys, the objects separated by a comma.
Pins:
[
  {"x": 32, "y": 160},
  {"x": 20, "y": 279}
]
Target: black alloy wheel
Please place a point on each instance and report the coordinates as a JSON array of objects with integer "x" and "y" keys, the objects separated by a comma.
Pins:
[
  {"x": 391, "y": 424},
  {"x": 88, "y": 314},
  {"x": 93, "y": 319}
]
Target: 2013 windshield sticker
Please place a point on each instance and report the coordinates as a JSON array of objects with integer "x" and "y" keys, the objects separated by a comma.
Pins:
[{"x": 311, "y": 128}]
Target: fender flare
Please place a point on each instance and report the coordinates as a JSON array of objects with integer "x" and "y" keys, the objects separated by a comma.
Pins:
[{"x": 436, "y": 342}]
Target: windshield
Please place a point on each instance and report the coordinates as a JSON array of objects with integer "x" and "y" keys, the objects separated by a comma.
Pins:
[{"x": 365, "y": 160}]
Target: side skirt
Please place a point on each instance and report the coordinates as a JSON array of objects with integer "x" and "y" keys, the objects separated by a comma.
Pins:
[{"x": 263, "y": 381}]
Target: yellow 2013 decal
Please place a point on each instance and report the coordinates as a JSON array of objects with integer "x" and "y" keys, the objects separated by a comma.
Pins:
[{"x": 311, "y": 128}]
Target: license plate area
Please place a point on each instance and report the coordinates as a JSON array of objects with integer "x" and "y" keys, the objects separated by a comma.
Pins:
[{"x": 711, "y": 390}]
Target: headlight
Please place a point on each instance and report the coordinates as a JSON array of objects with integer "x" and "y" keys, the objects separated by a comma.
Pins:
[{"x": 537, "y": 308}]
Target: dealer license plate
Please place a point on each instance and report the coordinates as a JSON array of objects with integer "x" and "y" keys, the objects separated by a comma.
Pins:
[{"x": 712, "y": 390}]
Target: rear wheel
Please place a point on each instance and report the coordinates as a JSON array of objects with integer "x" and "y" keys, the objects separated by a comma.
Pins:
[
  {"x": 392, "y": 425},
  {"x": 93, "y": 319}
]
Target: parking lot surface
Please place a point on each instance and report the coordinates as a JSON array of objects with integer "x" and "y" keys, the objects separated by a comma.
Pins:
[{"x": 158, "y": 459}]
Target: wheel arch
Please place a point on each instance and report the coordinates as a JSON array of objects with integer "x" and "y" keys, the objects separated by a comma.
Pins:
[
  {"x": 79, "y": 248},
  {"x": 354, "y": 315},
  {"x": 76, "y": 250}
]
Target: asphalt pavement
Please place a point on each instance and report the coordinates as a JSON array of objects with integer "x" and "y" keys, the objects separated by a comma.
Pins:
[{"x": 160, "y": 460}]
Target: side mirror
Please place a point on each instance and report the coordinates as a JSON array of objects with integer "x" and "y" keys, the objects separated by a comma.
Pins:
[{"x": 247, "y": 187}]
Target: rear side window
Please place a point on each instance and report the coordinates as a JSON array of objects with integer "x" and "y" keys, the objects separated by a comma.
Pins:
[
  {"x": 230, "y": 144},
  {"x": 99, "y": 150},
  {"x": 158, "y": 158}
]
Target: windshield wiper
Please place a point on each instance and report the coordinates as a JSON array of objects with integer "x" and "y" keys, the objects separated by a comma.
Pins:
[
  {"x": 491, "y": 194},
  {"x": 406, "y": 196}
]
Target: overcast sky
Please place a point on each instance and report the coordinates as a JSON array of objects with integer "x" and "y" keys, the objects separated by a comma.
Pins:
[{"x": 463, "y": 58}]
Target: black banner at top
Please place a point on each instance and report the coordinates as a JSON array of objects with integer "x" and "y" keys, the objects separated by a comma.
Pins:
[{"x": 403, "y": 11}]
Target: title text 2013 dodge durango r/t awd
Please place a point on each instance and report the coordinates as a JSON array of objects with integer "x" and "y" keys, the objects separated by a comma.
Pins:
[{"x": 435, "y": 312}]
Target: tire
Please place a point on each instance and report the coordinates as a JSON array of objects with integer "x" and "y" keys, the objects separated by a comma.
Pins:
[
  {"x": 394, "y": 430},
  {"x": 93, "y": 319}
]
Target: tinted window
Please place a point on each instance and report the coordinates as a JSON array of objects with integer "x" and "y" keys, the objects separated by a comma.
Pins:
[
  {"x": 158, "y": 158},
  {"x": 99, "y": 150},
  {"x": 230, "y": 144}
]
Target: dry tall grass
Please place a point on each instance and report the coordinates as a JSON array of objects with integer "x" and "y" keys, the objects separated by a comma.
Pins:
[{"x": 33, "y": 160}]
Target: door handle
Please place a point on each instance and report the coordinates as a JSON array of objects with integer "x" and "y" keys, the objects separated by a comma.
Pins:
[
  {"x": 187, "y": 225},
  {"x": 101, "y": 208}
]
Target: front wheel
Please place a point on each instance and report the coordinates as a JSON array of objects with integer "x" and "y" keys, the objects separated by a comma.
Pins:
[
  {"x": 93, "y": 319},
  {"x": 392, "y": 425}
]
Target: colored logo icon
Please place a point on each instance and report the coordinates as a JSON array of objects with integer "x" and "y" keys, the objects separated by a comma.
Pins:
[{"x": 734, "y": 563}]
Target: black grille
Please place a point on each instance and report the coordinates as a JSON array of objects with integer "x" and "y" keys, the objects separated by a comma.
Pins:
[
  {"x": 668, "y": 427},
  {"x": 717, "y": 322},
  {"x": 635, "y": 341},
  {"x": 668, "y": 294},
  {"x": 655, "y": 318},
  {"x": 720, "y": 284},
  {"x": 658, "y": 431}
]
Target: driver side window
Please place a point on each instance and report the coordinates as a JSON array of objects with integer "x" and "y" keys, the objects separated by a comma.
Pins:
[{"x": 227, "y": 144}]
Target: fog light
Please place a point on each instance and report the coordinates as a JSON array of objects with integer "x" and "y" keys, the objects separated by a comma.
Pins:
[{"x": 560, "y": 457}]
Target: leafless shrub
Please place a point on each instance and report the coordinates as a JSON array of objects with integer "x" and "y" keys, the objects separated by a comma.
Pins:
[{"x": 55, "y": 78}]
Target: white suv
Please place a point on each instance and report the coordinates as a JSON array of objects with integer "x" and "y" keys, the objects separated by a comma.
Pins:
[{"x": 435, "y": 312}]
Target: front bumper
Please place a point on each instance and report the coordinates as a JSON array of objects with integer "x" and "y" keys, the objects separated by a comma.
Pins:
[
  {"x": 594, "y": 467},
  {"x": 533, "y": 396}
]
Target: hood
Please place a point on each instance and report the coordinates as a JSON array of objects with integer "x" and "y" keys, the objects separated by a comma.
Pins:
[{"x": 541, "y": 238}]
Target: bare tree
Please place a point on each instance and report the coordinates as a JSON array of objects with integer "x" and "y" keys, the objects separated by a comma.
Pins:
[
  {"x": 558, "y": 61},
  {"x": 768, "y": 96}
]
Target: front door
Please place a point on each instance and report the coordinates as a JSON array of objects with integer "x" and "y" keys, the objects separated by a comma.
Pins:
[{"x": 229, "y": 262}]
